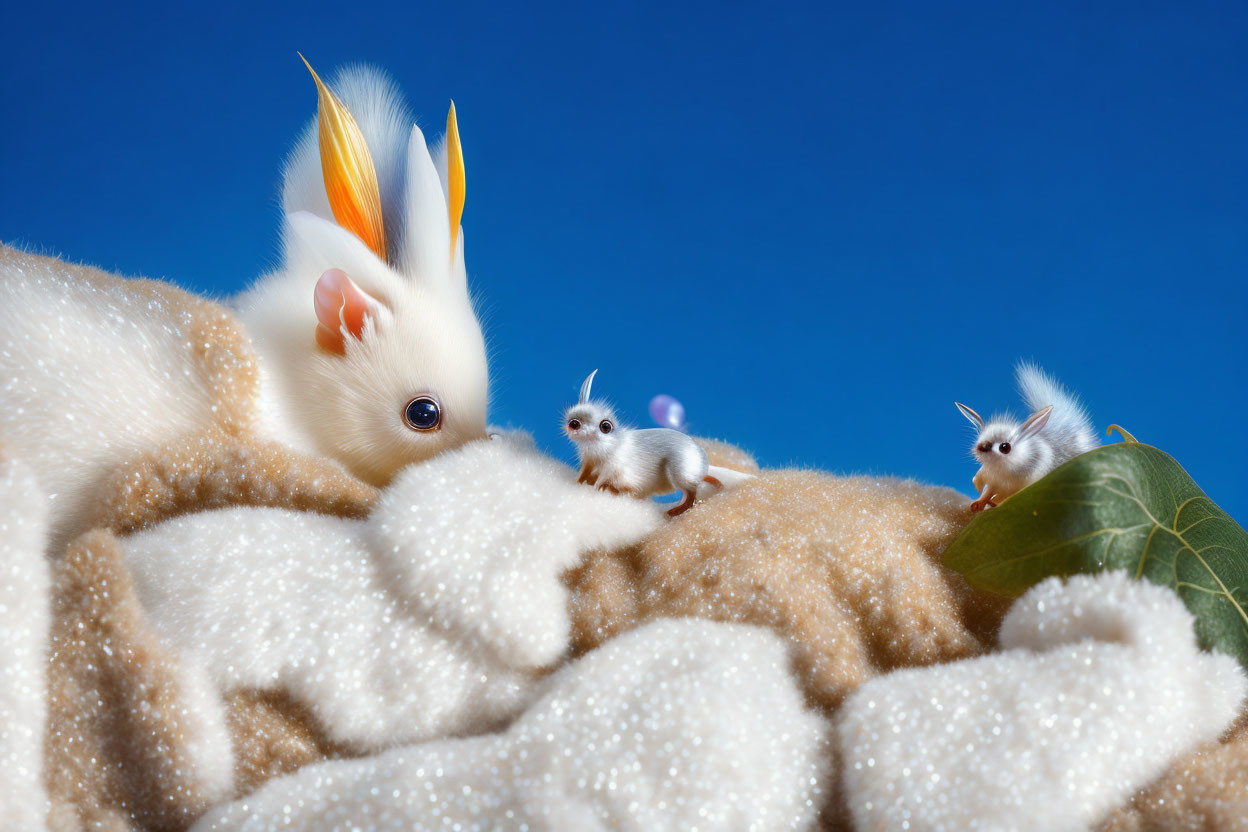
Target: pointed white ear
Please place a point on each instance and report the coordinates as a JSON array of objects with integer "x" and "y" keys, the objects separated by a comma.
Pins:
[
  {"x": 586, "y": 387},
  {"x": 427, "y": 244},
  {"x": 971, "y": 415},
  {"x": 1035, "y": 423}
]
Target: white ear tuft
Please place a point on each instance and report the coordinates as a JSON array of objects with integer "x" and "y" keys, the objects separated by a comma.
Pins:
[{"x": 975, "y": 418}]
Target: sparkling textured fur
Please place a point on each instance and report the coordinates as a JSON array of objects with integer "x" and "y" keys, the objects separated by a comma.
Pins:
[
  {"x": 422, "y": 336},
  {"x": 23, "y": 645},
  {"x": 135, "y": 738},
  {"x": 1099, "y": 685},
  {"x": 1203, "y": 791},
  {"x": 95, "y": 369},
  {"x": 680, "y": 725},
  {"x": 429, "y": 618},
  {"x": 874, "y": 598},
  {"x": 847, "y": 568}
]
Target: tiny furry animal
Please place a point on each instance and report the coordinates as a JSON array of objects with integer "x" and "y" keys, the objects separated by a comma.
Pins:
[
  {"x": 1013, "y": 455},
  {"x": 643, "y": 463}
]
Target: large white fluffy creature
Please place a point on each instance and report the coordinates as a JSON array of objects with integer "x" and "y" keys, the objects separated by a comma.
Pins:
[
  {"x": 678, "y": 725},
  {"x": 370, "y": 352},
  {"x": 432, "y": 617},
  {"x": 23, "y": 646},
  {"x": 1100, "y": 685}
]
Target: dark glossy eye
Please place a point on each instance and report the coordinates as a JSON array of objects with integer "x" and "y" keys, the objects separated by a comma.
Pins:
[
  {"x": 1005, "y": 447},
  {"x": 423, "y": 413},
  {"x": 574, "y": 424},
  {"x": 604, "y": 426}
]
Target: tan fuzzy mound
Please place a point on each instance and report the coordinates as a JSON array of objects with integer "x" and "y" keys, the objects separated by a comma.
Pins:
[
  {"x": 1205, "y": 791},
  {"x": 132, "y": 741},
  {"x": 116, "y": 749},
  {"x": 214, "y": 470},
  {"x": 847, "y": 568}
]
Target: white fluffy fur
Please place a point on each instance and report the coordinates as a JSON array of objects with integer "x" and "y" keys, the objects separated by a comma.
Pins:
[
  {"x": 23, "y": 646},
  {"x": 423, "y": 338},
  {"x": 1099, "y": 687},
  {"x": 1069, "y": 429},
  {"x": 429, "y": 618},
  {"x": 89, "y": 376},
  {"x": 679, "y": 725}
]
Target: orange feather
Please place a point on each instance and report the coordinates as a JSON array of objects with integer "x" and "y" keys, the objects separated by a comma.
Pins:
[
  {"x": 350, "y": 177},
  {"x": 454, "y": 176}
]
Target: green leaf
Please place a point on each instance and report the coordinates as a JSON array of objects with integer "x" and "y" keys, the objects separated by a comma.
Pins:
[{"x": 1127, "y": 506}]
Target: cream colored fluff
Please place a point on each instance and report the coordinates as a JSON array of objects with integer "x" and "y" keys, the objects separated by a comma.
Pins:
[
  {"x": 1098, "y": 687},
  {"x": 679, "y": 725},
  {"x": 23, "y": 645},
  {"x": 429, "y": 618}
]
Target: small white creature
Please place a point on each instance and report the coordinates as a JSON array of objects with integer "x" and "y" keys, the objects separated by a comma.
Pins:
[
  {"x": 642, "y": 463},
  {"x": 1012, "y": 455}
]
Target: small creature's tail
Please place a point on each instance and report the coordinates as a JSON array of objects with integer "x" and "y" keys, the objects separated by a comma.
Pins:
[
  {"x": 1069, "y": 428},
  {"x": 727, "y": 477}
]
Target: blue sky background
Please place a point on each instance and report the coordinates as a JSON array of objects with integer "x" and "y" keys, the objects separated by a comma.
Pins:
[{"x": 816, "y": 225}]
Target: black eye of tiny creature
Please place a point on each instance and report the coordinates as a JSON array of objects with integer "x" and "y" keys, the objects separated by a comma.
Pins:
[
  {"x": 1005, "y": 447},
  {"x": 574, "y": 424},
  {"x": 604, "y": 426},
  {"x": 423, "y": 414}
]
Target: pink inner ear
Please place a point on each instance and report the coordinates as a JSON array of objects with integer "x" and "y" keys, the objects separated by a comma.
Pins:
[{"x": 339, "y": 302}]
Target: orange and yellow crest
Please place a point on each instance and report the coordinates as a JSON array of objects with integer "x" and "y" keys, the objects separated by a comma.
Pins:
[
  {"x": 456, "y": 190},
  {"x": 350, "y": 177}
]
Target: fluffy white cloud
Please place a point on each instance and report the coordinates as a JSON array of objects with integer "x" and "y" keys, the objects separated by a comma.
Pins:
[
  {"x": 427, "y": 619},
  {"x": 680, "y": 725},
  {"x": 1099, "y": 686}
]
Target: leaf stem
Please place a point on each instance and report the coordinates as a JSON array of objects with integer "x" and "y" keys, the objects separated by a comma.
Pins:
[{"x": 1126, "y": 435}]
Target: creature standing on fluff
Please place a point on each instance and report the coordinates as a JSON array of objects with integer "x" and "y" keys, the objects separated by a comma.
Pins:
[
  {"x": 1011, "y": 455},
  {"x": 641, "y": 463}
]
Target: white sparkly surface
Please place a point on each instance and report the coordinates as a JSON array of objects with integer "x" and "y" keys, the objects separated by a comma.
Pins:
[
  {"x": 680, "y": 725},
  {"x": 1099, "y": 686},
  {"x": 23, "y": 645},
  {"x": 91, "y": 372},
  {"x": 427, "y": 619}
]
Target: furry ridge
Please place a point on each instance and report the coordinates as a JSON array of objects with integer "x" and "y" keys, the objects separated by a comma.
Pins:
[
  {"x": 428, "y": 618},
  {"x": 23, "y": 647},
  {"x": 679, "y": 725},
  {"x": 1099, "y": 686}
]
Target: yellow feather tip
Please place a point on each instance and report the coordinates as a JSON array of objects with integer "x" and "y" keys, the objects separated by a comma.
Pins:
[
  {"x": 454, "y": 176},
  {"x": 350, "y": 177}
]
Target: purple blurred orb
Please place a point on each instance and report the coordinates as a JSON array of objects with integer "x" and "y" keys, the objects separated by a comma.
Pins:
[{"x": 667, "y": 412}]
